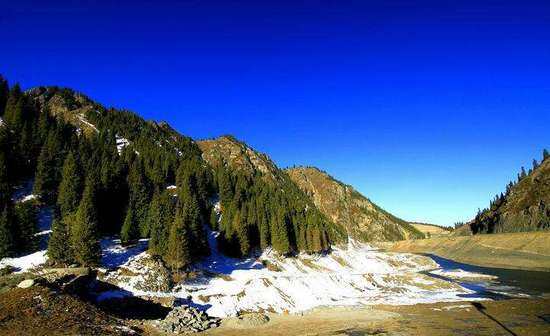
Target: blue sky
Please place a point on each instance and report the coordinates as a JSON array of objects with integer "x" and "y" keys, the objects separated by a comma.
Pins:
[{"x": 427, "y": 108}]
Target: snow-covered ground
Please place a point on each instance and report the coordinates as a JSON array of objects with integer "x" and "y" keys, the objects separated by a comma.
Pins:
[
  {"x": 351, "y": 275},
  {"x": 24, "y": 263},
  {"x": 355, "y": 274}
]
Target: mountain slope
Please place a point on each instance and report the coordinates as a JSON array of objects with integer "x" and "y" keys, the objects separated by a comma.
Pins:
[
  {"x": 524, "y": 207},
  {"x": 260, "y": 204},
  {"x": 346, "y": 207}
]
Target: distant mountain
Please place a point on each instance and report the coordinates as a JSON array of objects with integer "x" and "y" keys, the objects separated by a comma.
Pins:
[
  {"x": 353, "y": 212},
  {"x": 525, "y": 205}
]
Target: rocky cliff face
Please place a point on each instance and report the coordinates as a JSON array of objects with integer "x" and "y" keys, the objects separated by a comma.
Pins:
[
  {"x": 230, "y": 152},
  {"x": 347, "y": 208}
]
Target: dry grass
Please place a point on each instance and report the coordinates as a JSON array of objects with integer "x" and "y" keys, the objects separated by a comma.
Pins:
[{"x": 525, "y": 250}]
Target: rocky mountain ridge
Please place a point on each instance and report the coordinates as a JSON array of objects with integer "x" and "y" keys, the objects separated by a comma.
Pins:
[{"x": 345, "y": 206}]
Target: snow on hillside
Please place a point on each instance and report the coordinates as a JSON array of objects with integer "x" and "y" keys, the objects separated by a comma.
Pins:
[
  {"x": 121, "y": 143},
  {"x": 23, "y": 192},
  {"x": 351, "y": 275},
  {"x": 24, "y": 263}
]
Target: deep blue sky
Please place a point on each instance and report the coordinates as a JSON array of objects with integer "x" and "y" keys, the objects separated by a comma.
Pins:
[{"x": 428, "y": 108}]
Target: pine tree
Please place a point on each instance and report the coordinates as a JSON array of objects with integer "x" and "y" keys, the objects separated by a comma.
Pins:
[
  {"x": 4, "y": 92},
  {"x": 70, "y": 187},
  {"x": 84, "y": 233},
  {"x": 59, "y": 247},
  {"x": 213, "y": 219},
  {"x": 523, "y": 174},
  {"x": 545, "y": 154},
  {"x": 155, "y": 222},
  {"x": 241, "y": 228},
  {"x": 178, "y": 254},
  {"x": 5, "y": 189},
  {"x": 47, "y": 171},
  {"x": 7, "y": 239},
  {"x": 130, "y": 229},
  {"x": 26, "y": 222},
  {"x": 13, "y": 113},
  {"x": 139, "y": 196},
  {"x": 279, "y": 236}
]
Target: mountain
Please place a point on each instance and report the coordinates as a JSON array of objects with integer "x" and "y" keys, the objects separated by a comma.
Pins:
[
  {"x": 259, "y": 198},
  {"x": 525, "y": 205},
  {"x": 353, "y": 212},
  {"x": 106, "y": 171}
]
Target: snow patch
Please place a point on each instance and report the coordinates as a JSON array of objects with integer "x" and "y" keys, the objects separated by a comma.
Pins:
[
  {"x": 461, "y": 274},
  {"x": 25, "y": 263},
  {"x": 121, "y": 143}
]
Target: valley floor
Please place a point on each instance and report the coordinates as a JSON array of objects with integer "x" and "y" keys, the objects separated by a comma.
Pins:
[
  {"x": 509, "y": 317},
  {"x": 522, "y": 250}
]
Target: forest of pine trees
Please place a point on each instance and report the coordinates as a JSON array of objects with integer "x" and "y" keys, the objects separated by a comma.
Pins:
[
  {"x": 257, "y": 215},
  {"x": 96, "y": 189}
]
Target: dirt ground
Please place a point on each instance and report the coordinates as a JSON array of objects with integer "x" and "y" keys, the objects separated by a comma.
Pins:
[
  {"x": 523, "y": 250},
  {"x": 492, "y": 318},
  {"x": 41, "y": 311}
]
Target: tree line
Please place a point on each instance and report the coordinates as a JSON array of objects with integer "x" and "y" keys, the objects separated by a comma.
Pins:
[
  {"x": 489, "y": 220},
  {"x": 97, "y": 189}
]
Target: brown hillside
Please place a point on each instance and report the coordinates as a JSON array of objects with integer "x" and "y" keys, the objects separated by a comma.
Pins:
[{"x": 346, "y": 207}]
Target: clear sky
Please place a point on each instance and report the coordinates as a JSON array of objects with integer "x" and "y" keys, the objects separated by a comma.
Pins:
[{"x": 427, "y": 108}]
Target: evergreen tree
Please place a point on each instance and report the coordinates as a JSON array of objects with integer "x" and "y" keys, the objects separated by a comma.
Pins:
[
  {"x": 523, "y": 174},
  {"x": 241, "y": 228},
  {"x": 14, "y": 108},
  {"x": 4, "y": 92},
  {"x": 59, "y": 246},
  {"x": 5, "y": 188},
  {"x": 130, "y": 228},
  {"x": 178, "y": 254},
  {"x": 545, "y": 154},
  {"x": 213, "y": 219},
  {"x": 70, "y": 187},
  {"x": 26, "y": 221},
  {"x": 279, "y": 236},
  {"x": 155, "y": 222},
  {"x": 84, "y": 233},
  {"x": 139, "y": 196},
  {"x": 47, "y": 171},
  {"x": 7, "y": 239}
]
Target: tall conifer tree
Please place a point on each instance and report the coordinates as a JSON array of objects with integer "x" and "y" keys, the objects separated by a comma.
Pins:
[
  {"x": 4, "y": 92},
  {"x": 7, "y": 239},
  {"x": 84, "y": 233},
  {"x": 70, "y": 187},
  {"x": 178, "y": 253}
]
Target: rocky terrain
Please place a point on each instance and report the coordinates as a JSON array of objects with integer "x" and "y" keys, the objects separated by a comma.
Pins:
[
  {"x": 361, "y": 218},
  {"x": 230, "y": 152},
  {"x": 185, "y": 319}
]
